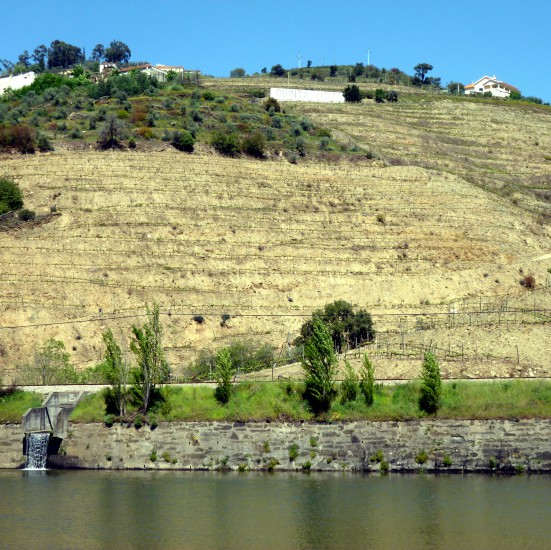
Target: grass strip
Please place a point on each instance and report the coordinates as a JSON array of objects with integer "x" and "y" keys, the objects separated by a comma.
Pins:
[{"x": 262, "y": 401}]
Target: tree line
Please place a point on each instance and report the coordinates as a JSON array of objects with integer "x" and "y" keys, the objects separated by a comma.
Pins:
[{"x": 62, "y": 55}]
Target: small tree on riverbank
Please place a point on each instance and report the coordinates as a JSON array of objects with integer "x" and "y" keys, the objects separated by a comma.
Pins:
[
  {"x": 223, "y": 373},
  {"x": 115, "y": 371},
  {"x": 320, "y": 367},
  {"x": 152, "y": 367},
  {"x": 367, "y": 380},
  {"x": 431, "y": 387}
]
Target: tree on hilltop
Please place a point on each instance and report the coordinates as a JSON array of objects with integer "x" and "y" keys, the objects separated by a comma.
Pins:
[
  {"x": 98, "y": 53},
  {"x": 277, "y": 70},
  {"x": 117, "y": 52},
  {"x": 421, "y": 70}
]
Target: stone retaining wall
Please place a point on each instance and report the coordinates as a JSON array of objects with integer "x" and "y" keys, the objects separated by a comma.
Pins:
[{"x": 449, "y": 445}]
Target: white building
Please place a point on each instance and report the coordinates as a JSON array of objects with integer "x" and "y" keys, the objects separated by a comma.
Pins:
[
  {"x": 315, "y": 96},
  {"x": 15, "y": 82},
  {"x": 490, "y": 84}
]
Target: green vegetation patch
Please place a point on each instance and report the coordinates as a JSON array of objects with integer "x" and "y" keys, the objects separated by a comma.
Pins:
[
  {"x": 283, "y": 401},
  {"x": 14, "y": 405}
]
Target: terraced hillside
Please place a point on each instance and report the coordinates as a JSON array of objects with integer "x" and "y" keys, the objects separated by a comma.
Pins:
[{"x": 427, "y": 249}]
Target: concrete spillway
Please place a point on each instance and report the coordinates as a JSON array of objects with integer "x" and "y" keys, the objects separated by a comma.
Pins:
[{"x": 46, "y": 426}]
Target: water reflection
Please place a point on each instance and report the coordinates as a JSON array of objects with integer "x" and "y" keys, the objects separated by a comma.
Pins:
[{"x": 49, "y": 509}]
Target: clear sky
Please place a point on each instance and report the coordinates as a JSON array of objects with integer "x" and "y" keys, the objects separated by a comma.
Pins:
[{"x": 463, "y": 40}]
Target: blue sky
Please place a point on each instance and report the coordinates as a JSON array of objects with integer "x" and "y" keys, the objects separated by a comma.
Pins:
[{"x": 463, "y": 40}]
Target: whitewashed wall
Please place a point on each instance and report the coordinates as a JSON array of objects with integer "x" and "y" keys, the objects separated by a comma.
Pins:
[
  {"x": 16, "y": 82},
  {"x": 315, "y": 96}
]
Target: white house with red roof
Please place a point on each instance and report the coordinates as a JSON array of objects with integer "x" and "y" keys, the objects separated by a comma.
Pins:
[{"x": 490, "y": 84}]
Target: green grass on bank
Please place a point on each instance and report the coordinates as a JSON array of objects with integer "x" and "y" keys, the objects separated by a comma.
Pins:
[
  {"x": 261, "y": 401},
  {"x": 258, "y": 401},
  {"x": 13, "y": 406}
]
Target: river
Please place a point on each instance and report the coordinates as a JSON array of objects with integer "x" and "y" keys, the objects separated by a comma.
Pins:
[{"x": 206, "y": 510}]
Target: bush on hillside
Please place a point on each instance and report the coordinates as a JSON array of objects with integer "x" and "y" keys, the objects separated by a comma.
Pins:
[
  {"x": 26, "y": 215},
  {"x": 183, "y": 141},
  {"x": 346, "y": 327},
  {"x": 352, "y": 94},
  {"x": 380, "y": 95},
  {"x": 20, "y": 137},
  {"x": 11, "y": 197},
  {"x": 225, "y": 144},
  {"x": 254, "y": 145},
  {"x": 272, "y": 104},
  {"x": 112, "y": 133}
]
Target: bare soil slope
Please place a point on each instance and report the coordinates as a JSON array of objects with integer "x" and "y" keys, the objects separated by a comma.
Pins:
[{"x": 436, "y": 258}]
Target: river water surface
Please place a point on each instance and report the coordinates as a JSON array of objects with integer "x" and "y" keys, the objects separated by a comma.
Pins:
[{"x": 117, "y": 510}]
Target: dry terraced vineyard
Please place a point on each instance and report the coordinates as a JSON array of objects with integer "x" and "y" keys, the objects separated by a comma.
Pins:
[{"x": 431, "y": 236}]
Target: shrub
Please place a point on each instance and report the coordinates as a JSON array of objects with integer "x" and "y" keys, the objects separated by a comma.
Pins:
[
  {"x": 349, "y": 386},
  {"x": 153, "y": 455},
  {"x": 44, "y": 144},
  {"x": 421, "y": 457},
  {"x": 111, "y": 134},
  {"x": 138, "y": 423},
  {"x": 199, "y": 319},
  {"x": 254, "y": 145},
  {"x": 352, "y": 94},
  {"x": 183, "y": 141},
  {"x": 132, "y": 143},
  {"x": 209, "y": 96},
  {"x": 258, "y": 93},
  {"x": 273, "y": 462},
  {"x": 300, "y": 146},
  {"x": 392, "y": 96},
  {"x": 313, "y": 441},
  {"x": 380, "y": 95},
  {"x": 377, "y": 457},
  {"x": 21, "y": 137},
  {"x": 447, "y": 461},
  {"x": 529, "y": 281},
  {"x": 384, "y": 467},
  {"x": 145, "y": 132},
  {"x": 225, "y": 144},
  {"x": 431, "y": 387},
  {"x": 26, "y": 215},
  {"x": 109, "y": 420},
  {"x": 224, "y": 318},
  {"x": 272, "y": 103},
  {"x": 11, "y": 197},
  {"x": 306, "y": 466},
  {"x": 266, "y": 446},
  {"x": 293, "y": 452}
]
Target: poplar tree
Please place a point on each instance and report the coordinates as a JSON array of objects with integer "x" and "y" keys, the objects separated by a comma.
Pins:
[
  {"x": 367, "y": 381},
  {"x": 320, "y": 367},
  {"x": 431, "y": 386},
  {"x": 152, "y": 367},
  {"x": 115, "y": 370}
]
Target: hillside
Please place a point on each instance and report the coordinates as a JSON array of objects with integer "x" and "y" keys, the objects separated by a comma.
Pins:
[{"x": 432, "y": 235}]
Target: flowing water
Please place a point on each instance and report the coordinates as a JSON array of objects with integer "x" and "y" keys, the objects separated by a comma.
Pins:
[
  {"x": 37, "y": 448},
  {"x": 206, "y": 510}
]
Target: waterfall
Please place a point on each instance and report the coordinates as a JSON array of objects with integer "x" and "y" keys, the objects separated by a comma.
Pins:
[{"x": 37, "y": 448}]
